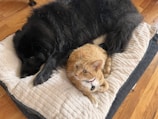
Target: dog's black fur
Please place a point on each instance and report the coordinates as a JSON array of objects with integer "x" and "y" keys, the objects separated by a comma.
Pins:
[{"x": 53, "y": 30}]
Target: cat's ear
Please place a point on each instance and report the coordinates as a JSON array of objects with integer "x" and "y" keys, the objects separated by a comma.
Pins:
[{"x": 97, "y": 64}]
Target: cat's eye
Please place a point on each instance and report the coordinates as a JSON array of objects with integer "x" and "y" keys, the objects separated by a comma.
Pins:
[
  {"x": 85, "y": 71},
  {"x": 77, "y": 66}
]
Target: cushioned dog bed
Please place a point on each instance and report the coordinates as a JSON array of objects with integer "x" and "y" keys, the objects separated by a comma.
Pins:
[{"x": 57, "y": 98}]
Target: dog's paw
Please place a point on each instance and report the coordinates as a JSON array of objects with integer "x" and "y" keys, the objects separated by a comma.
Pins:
[{"x": 40, "y": 78}]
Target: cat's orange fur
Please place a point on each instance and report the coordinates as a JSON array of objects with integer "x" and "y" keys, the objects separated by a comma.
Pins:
[{"x": 87, "y": 68}]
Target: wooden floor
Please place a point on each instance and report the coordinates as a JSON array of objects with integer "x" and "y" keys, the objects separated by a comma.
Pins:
[{"x": 141, "y": 103}]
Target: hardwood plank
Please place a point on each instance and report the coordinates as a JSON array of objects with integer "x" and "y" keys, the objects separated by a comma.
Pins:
[
  {"x": 156, "y": 115},
  {"x": 144, "y": 108},
  {"x": 2, "y": 92},
  {"x": 137, "y": 100},
  {"x": 8, "y": 110},
  {"x": 137, "y": 3},
  {"x": 152, "y": 110},
  {"x": 13, "y": 6},
  {"x": 13, "y": 18},
  {"x": 150, "y": 12}
]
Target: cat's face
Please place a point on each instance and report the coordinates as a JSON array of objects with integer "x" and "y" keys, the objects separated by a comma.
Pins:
[
  {"x": 89, "y": 74},
  {"x": 86, "y": 71}
]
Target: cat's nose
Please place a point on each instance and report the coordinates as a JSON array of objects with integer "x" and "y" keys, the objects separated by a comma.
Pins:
[
  {"x": 93, "y": 87},
  {"x": 76, "y": 74}
]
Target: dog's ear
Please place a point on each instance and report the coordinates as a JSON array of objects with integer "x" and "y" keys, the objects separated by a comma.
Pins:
[{"x": 41, "y": 57}]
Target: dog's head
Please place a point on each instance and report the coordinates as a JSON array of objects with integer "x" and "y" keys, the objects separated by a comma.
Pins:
[
  {"x": 31, "y": 65},
  {"x": 32, "y": 51}
]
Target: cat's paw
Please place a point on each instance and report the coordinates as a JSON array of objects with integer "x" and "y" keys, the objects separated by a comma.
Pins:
[
  {"x": 103, "y": 87},
  {"x": 102, "y": 90},
  {"x": 94, "y": 102},
  {"x": 106, "y": 75}
]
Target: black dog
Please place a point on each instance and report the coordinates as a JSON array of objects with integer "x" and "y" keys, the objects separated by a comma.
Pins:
[{"x": 54, "y": 30}]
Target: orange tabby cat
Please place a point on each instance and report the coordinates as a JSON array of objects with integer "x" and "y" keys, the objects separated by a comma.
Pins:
[{"x": 87, "y": 68}]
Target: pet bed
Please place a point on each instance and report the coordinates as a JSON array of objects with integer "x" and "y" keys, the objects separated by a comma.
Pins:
[{"x": 57, "y": 98}]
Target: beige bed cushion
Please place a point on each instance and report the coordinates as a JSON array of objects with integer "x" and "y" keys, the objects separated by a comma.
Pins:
[{"x": 58, "y": 98}]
